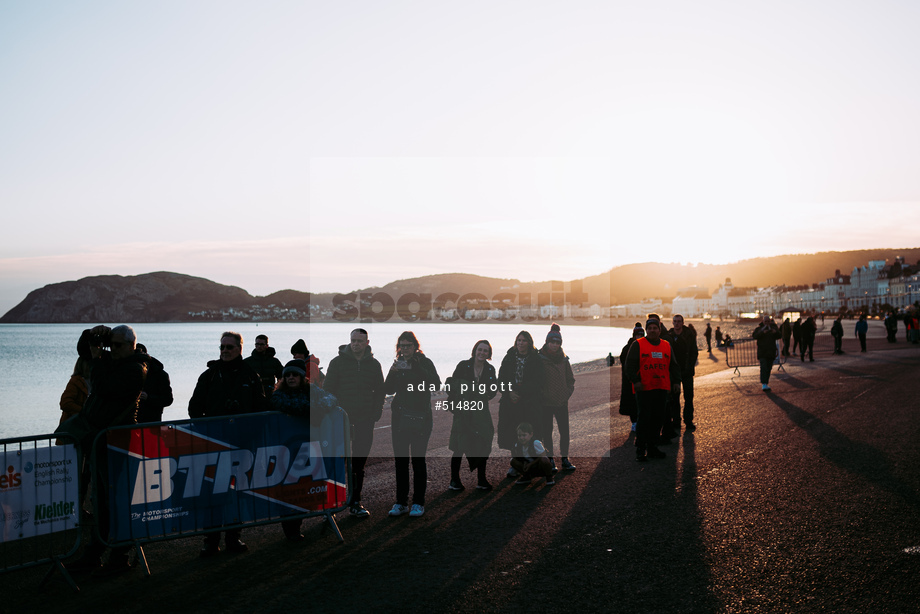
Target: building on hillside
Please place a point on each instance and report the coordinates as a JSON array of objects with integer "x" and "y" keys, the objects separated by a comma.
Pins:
[{"x": 692, "y": 302}]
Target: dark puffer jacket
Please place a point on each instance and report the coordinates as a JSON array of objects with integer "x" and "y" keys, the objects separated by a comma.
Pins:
[
  {"x": 225, "y": 389},
  {"x": 158, "y": 389},
  {"x": 357, "y": 384},
  {"x": 267, "y": 366},
  {"x": 558, "y": 378}
]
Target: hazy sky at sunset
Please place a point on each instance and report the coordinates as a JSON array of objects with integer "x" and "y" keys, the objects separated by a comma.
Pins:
[{"x": 336, "y": 145}]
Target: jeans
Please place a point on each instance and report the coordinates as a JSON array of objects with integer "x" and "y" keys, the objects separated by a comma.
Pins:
[{"x": 410, "y": 440}]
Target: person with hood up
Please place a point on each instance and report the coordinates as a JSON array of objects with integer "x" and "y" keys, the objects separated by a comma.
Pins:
[{"x": 157, "y": 393}]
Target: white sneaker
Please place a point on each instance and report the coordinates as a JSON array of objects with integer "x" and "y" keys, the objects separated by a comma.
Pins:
[
  {"x": 417, "y": 510},
  {"x": 399, "y": 510},
  {"x": 513, "y": 473},
  {"x": 765, "y": 388}
]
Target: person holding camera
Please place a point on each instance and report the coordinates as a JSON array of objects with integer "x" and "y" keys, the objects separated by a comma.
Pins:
[
  {"x": 228, "y": 387},
  {"x": 117, "y": 377},
  {"x": 766, "y": 334}
]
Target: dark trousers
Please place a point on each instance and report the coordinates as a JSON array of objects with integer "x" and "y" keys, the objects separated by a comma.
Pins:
[
  {"x": 362, "y": 438},
  {"x": 652, "y": 409},
  {"x": 862, "y": 341},
  {"x": 838, "y": 344},
  {"x": 808, "y": 347},
  {"x": 410, "y": 441},
  {"x": 561, "y": 414},
  {"x": 766, "y": 367},
  {"x": 673, "y": 420},
  {"x": 785, "y": 346}
]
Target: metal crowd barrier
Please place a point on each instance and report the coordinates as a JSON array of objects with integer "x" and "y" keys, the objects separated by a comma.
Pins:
[
  {"x": 192, "y": 477},
  {"x": 41, "y": 492},
  {"x": 743, "y": 353}
]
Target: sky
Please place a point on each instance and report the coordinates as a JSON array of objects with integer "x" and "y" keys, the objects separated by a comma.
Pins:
[{"x": 329, "y": 146}]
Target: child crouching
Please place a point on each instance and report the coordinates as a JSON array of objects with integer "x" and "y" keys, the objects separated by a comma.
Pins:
[{"x": 529, "y": 458}]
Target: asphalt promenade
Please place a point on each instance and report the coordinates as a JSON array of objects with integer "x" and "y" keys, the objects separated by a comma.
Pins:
[{"x": 805, "y": 499}]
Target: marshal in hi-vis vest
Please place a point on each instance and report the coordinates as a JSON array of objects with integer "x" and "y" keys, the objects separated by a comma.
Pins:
[{"x": 654, "y": 364}]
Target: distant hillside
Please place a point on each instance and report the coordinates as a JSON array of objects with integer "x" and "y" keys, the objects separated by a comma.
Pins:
[
  {"x": 152, "y": 297},
  {"x": 633, "y": 282},
  {"x": 166, "y": 297}
]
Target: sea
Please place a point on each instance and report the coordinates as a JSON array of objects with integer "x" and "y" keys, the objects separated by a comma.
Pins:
[{"x": 36, "y": 360}]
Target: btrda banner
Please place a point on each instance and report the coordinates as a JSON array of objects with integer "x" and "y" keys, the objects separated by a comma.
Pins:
[{"x": 185, "y": 476}]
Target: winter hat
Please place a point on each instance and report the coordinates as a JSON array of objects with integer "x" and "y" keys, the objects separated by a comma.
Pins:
[
  {"x": 300, "y": 348},
  {"x": 554, "y": 334},
  {"x": 654, "y": 321},
  {"x": 295, "y": 366},
  {"x": 638, "y": 329}
]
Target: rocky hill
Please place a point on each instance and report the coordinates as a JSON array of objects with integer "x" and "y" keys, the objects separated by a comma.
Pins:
[{"x": 152, "y": 297}]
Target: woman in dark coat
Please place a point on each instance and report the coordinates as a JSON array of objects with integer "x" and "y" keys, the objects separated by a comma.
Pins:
[
  {"x": 472, "y": 386},
  {"x": 521, "y": 380}
]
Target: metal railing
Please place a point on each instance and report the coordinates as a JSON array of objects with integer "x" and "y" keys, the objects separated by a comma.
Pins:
[{"x": 42, "y": 491}]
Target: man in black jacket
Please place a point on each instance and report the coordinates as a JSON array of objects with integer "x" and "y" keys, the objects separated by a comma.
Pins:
[
  {"x": 687, "y": 354},
  {"x": 355, "y": 378},
  {"x": 263, "y": 361},
  {"x": 229, "y": 387}
]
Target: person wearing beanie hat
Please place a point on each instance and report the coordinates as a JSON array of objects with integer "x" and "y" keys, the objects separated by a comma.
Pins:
[
  {"x": 295, "y": 396},
  {"x": 558, "y": 386},
  {"x": 654, "y": 373},
  {"x": 295, "y": 366},
  {"x": 300, "y": 351}
]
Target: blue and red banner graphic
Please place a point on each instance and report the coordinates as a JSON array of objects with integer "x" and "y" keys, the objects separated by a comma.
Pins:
[{"x": 182, "y": 477}]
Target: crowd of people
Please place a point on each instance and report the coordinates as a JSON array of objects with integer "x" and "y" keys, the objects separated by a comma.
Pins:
[
  {"x": 117, "y": 383},
  {"x": 657, "y": 363}
]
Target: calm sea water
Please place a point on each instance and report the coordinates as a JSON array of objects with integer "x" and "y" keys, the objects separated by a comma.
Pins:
[{"x": 36, "y": 360}]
